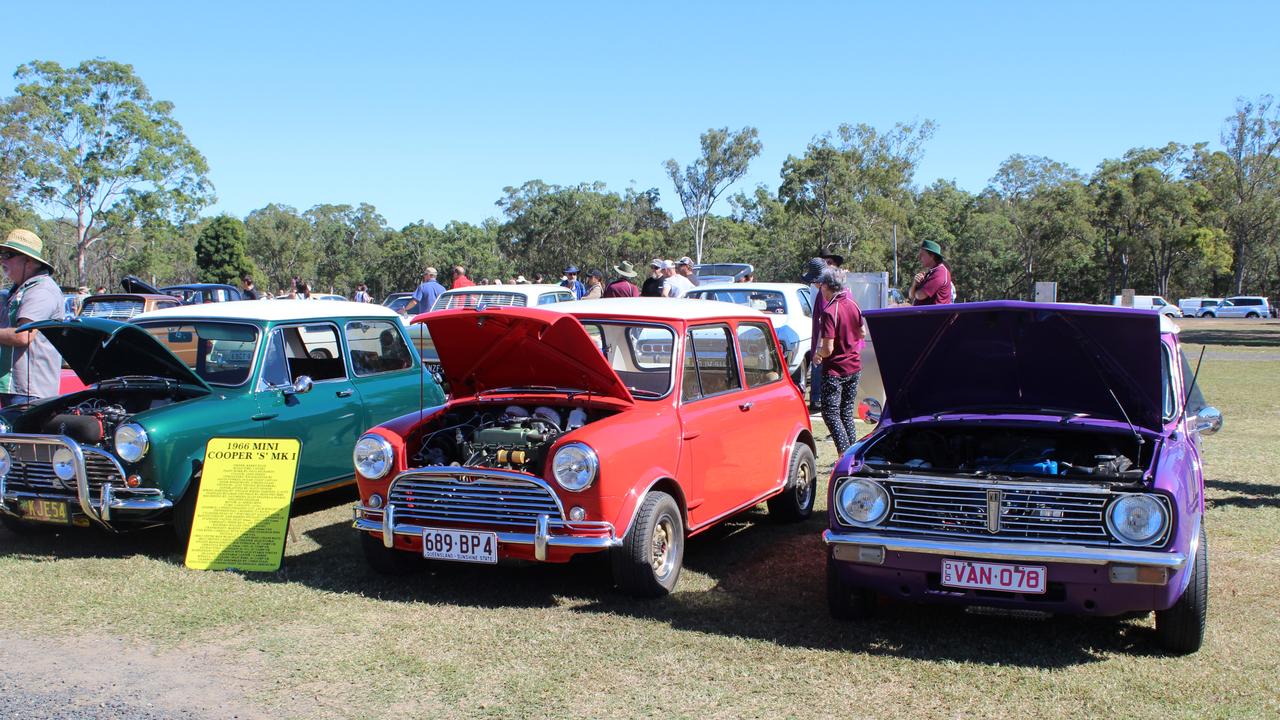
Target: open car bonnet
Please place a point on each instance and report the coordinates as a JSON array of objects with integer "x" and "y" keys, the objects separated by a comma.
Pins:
[
  {"x": 1011, "y": 356},
  {"x": 98, "y": 349},
  {"x": 512, "y": 347}
]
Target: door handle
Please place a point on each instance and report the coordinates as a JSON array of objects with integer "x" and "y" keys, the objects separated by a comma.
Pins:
[
  {"x": 691, "y": 435},
  {"x": 264, "y": 416},
  {"x": 344, "y": 393},
  {"x": 746, "y": 406}
]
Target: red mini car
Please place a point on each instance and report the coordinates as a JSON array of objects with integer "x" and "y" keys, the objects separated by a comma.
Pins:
[{"x": 622, "y": 425}]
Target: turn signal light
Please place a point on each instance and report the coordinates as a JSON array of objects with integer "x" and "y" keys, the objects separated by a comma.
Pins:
[
  {"x": 133, "y": 481},
  {"x": 1138, "y": 575}
]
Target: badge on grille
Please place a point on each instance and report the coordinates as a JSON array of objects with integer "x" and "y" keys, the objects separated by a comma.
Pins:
[{"x": 993, "y": 511}]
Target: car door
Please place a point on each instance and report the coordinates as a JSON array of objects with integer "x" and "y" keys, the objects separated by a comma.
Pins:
[
  {"x": 384, "y": 373},
  {"x": 329, "y": 417},
  {"x": 766, "y": 403},
  {"x": 713, "y": 412}
]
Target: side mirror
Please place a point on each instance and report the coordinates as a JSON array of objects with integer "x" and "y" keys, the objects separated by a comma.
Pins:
[
  {"x": 874, "y": 411},
  {"x": 1208, "y": 420},
  {"x": 301, "y": 386}
]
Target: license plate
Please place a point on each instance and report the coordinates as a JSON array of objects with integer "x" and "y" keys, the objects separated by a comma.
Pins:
[
  {"x": 460, "y": 545},
  {"x": 50, "y": 511},
  {"x": 1028, "y": 579}
]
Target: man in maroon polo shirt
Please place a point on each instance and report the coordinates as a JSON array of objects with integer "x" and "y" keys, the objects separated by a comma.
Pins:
[
  {"x": 840, "y": 351},
  {"x": 931, "y": 286}
]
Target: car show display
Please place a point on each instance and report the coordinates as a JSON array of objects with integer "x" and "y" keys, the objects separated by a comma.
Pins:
[
  {"x": 620, "y": 425},
  {"x": 127, "y": 451},
  {"x": 1032, "y": 457}
]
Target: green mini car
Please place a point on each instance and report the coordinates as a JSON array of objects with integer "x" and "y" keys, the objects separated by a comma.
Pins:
[{"x": 127, "y": 451}]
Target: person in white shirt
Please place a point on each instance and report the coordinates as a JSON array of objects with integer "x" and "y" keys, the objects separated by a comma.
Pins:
[{"x": 674, "y": 285}]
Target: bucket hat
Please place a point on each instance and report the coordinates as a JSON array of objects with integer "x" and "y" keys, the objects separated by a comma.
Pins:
[
  {"x": 813, "y": 269},
  {"x": 932, "y": 247},
  {"x": 25, "y": 242},
  {"x": 625, "y": 269}
]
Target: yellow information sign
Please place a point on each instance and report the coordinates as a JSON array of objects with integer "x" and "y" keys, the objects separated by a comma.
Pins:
[{"x": 242, "y": 511}]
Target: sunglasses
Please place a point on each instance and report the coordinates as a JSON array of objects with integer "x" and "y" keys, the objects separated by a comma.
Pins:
[{"x": 6, "y": 254}]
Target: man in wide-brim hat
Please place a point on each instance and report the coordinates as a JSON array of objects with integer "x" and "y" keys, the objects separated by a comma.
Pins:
[
  {"x": 623, "y": 286},
  {"x": 30, "y": 367}
]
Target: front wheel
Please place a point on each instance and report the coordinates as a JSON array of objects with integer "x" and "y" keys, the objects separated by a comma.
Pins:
[
  {"x": 389, "y": 561},
  {"x": 184, "y": 512},
  {"x": 1253, "y": 315},
  {"x": 796, "y": 501},
  {"x": 648, "y": 562},
  {"x": 1209, "y": 315},
  {"x": 1181, "y": 627},
  {"x": 801, "y": 377}
]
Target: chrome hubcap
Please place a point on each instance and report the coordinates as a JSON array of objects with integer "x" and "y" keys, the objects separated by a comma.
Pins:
[
  {"x": 662, "y": 549},
  {"x": 804, "y": 486}
]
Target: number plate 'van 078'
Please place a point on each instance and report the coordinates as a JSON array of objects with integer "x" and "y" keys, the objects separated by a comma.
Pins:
[{"x": 1028, "y": 579}]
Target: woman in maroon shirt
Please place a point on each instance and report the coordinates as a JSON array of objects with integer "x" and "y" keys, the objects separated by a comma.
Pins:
[{"x": 931, "y": 286}]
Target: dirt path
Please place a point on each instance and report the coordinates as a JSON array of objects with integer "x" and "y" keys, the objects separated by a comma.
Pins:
[{"x": 107, "y": 678}]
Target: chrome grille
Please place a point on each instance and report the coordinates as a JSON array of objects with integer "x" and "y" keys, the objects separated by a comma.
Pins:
[
  {"x": 483, "y": 501},
  {"x": 1049, "y": 514},
  {"x": 32, "y": 472}
]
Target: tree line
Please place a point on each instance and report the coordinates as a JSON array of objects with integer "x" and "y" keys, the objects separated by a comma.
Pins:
[{"x": 103, "y": 172}]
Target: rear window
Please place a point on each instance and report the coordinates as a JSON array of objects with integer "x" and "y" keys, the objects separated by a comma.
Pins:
[
  {"x": 449, "y": 301},
  {"x": 766, "y": 301},
  {"x": 112, "y": 309}
]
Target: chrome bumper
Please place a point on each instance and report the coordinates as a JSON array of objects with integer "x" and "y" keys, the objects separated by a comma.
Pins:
[
  {"x": 111, "y": 499},
  {"x": 383, "y": 520},
  {"x": 1018, "y": 552}
]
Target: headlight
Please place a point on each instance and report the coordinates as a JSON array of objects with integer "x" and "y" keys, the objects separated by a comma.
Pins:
[
  {"x": 373, "y": 456},
  {"x": 131, "y": 442},
  {"x": 1137, "y": 519},
  {"x": 862, "y": 502},
  {"x": 5, "y": 462},
  {"x": 64, "y": 464},
  {"x": 5, "y": 427},
  {"x": 575, "y": 466}
]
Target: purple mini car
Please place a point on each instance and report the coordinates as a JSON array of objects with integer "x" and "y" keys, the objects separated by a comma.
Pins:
[{"x": 1030, "y": 457}]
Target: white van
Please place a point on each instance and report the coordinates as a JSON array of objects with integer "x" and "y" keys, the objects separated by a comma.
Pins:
[{"x": 1151, "y": 302}]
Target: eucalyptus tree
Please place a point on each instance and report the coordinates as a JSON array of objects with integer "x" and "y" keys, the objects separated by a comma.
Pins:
[
  {"x": 724, "y": 160},
  {"x": 91, "y": 144}
]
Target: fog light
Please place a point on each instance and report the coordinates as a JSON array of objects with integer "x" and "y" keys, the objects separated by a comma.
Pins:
[
  {"x": 866, "y": 554},
  {"x": 576, "y": 513},
  {"x": 133, "y": 481},
  {"x": 1139, "y": 575},
  {"x": 64, "y": 464},
  {"x": 375, "y": 500}
]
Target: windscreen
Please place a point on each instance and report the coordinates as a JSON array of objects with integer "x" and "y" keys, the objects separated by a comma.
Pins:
[{"x": 220, "y": 353}]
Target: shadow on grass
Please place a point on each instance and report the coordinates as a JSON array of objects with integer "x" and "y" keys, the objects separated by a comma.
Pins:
[
  {"x": 41, "y": 541},
  {"x": 1252, "y": 334},
  {"x": 769, "y": 584},
  {"x": 1243, "y": 494}
]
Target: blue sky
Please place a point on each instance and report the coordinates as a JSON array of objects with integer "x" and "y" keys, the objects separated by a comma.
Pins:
[{"x": 427, "y": 110}]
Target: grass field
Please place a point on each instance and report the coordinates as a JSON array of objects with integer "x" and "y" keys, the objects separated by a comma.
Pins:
[{"x": 746, "y": 634}]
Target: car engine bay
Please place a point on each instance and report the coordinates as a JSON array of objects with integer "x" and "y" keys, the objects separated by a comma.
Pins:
[
  {"x": 1030, "y": 452},
  {"x": 91, "y": 418},
  {"x": 516, "y": 437}
]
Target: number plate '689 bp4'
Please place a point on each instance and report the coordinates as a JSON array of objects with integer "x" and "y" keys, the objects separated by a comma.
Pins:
[{"x": 460, "y": 545}]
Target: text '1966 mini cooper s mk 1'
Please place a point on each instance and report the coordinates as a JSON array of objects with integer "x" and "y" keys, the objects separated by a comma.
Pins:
[
  {"x": 1036, "y": 457},
  {"x": 620, "y": 425},
  {"x": 127, "y": 452}
]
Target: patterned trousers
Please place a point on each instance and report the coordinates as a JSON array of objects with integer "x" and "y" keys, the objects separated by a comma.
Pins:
[{"x": 839, "y": 406}]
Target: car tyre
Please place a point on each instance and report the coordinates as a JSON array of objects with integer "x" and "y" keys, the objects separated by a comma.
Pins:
[
  {"x": 1253, "y": 315},
  {"x": 801, "y": 377},
  {"x": 389, "y": 561},
  {"x": 648, "y": 562},
  {"x": 1181, "y": 627},
  {"x": 1209, "y": 315},
  {"x": 845, "y": 601},
  {"x": 796, "y": 501},
  {"x": 320, "y": 354}
]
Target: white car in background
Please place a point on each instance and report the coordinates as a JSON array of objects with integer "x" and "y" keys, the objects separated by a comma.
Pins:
[
  {"x": 507, "y": 295},
  {"x": 789, "y": 307}
]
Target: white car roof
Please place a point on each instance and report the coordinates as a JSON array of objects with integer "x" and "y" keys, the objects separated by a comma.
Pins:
[
  {"x": 779, "y": 287},
  {"x": 271, "y": 310},
  {"x": 644, "y": 307}
]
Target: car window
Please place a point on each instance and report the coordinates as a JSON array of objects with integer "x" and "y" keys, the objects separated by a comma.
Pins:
[
  {"x": 639, "y": 354},
  {"x": 806, "y": 304},
  {"x": 710, "y": 357},
  {"x": 221, "y": 353},
  {"x": 376, "y": 346},
  {"x": 314, "y": 351},
  {"x": 1158, "y": 302},
  {"x": 475, "y": 298},
  {"x": 1195, "y": 398},
  {"x": 550, "y": 298},
  {"x": 275, "y": 367},
  {"x": 759, "y": 354}
]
